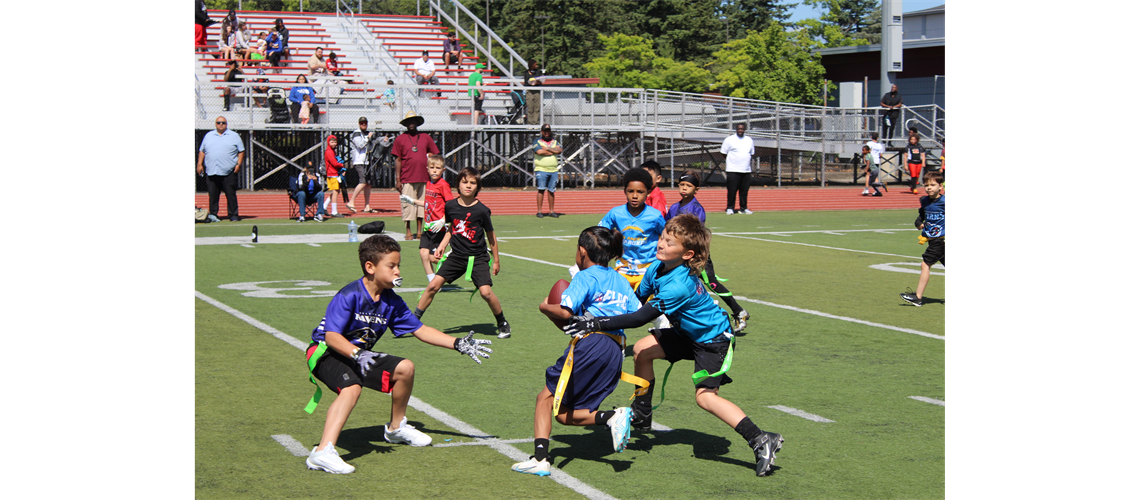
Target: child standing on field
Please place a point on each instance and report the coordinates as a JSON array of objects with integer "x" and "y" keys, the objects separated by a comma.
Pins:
[
  {"x": 932, "y": 222},
  {"x": 688, "y": 186},
  {"x": 655, "y": 198},
  {"x": 700, "y": 332},
  {"x": 436, "y": 195},
  {"x": 915, "y": 160},
  {"x": 876, "y": 149},
  {"x": 341, "y": 355},
  {"x": 591, "y": 365},
  {"x": 871, "y": 169},
  {"x": 333, "y": 179},
  {"x": 640, "y": 226},
  {"x": 471, "y": 231}
]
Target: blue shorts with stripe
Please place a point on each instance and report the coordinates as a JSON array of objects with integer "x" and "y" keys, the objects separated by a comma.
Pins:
[{"x": 597, "y": 366}]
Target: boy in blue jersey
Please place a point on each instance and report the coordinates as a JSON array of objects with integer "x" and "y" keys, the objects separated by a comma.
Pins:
[
  {"x": 639, "y": 224},
  {"x": 932, "y": 222},
  {"x": 340, "y": 354},
  {"x": 700, "y": 332},
  {"x": 688, "y": 185},
  {"x": 589, "y": 369}
]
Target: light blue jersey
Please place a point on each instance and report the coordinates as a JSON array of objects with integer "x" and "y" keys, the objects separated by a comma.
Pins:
[
  {"x": 601, "y": 291},
  {"x": 683, "y": 299},
  {"x": 639, "y": 237}
]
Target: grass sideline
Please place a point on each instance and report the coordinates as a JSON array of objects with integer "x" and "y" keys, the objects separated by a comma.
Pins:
[{"x": 883, "y": 444}]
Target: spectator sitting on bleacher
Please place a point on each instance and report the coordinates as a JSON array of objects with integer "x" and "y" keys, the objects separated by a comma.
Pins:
[
  {"x": 240, "y": 41},
  {"x": 389, "y": 96},
  {"x": 283, "y": 34},
  {"x": 226, "y": 51},
  {"x": 273, "y": 49},
  {"x": 297, "y": 96},
  {"x": 425, "y": 73},
  {"x": 451, "y": 52},
  {"x": 231, "y": 76},
  {"x": 259, "y": 45},
  {"x": 331, "y": 65},
  {"x": 317, "y": 62}
]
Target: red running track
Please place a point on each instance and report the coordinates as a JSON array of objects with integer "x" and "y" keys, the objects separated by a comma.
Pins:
[{"x": 275, "y": 204}]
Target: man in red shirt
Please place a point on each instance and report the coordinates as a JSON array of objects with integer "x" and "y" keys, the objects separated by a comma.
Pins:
[{"x": 411, "y": 149}]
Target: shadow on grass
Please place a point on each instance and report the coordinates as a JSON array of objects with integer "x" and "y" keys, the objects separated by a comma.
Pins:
[
  {"x": 705, "y": 446},
  {"x": 479, "y": 329},
  {"x": 596, "y": 446},
  {"x": 361, "y": 441}
]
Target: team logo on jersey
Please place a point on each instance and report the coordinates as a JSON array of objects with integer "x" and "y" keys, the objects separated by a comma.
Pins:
[
  {"x": 366, "y": 336},
  {"x": 460, "y": 228}
]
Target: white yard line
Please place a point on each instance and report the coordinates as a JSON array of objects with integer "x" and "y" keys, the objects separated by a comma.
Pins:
[
  {"x": 802, "y": 414},
  {"x": 295, "y": 447},
  {"x": 498, "y": 445},
  {"x": 932, "y": 401},
  {"x": 730, "y": 235}
]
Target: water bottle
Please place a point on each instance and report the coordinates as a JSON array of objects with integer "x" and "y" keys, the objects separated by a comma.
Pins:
[
  {"x": 352, "y": 232},
  {"x": 255, "y": 234}
]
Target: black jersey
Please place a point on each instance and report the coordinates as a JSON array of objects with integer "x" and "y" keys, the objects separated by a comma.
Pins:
[
  {"x": 914, "y": 153},
  {"x": 469, "y": 226}
]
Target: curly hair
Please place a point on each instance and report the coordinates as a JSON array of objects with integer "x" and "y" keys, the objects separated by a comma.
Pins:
[{"x": 692, "y": 235}]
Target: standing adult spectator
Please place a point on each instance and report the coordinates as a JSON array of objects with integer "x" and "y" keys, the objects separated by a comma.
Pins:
[
  {"x": 532, "y": 77},
  {"x": 219, "y": 159},
  {"x": 297, "y": 94},
  {"x": 475, "y": 91},
  {"x": 738, "y": 150},
  {"x": 360, "y": 143},
  {"x": 892, "y": 101},
  {"x": 411, "y": 150},
  {"x": 451, "y": 51},
  {"x": 546, "y": 151},
  {"x": 425, "y": 73},
  {"x": 201, "y": 22}
]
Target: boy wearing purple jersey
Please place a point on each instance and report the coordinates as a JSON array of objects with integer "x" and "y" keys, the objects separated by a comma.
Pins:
[
  {"x": 688, "y": 185},
  {"x": 340, "y": 354}
]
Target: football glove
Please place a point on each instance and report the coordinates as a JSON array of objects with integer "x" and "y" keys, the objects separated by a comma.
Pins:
[
  {"x": 435, "y": 226},
  {"x": 581, "y": 325},
  {"x": 407, "y": 199},
  {"x": 366, "y": 359},
  {"x": 472, "y": 347}
]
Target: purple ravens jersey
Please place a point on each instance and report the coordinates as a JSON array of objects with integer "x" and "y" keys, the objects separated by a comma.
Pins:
[{"x": 353, "y": 314}]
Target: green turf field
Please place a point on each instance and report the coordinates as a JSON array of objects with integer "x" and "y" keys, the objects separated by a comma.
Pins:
[{"x": 829, "y": 339}]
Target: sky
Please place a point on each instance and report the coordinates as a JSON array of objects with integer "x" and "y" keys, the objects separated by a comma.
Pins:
[{"x": 802, "y": 11}]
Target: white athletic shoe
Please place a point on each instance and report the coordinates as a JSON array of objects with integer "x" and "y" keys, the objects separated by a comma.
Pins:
[
  {"x": 533, "y": 466},
  {"x": 746, "y": 212},
  {"x": 406, "y": 434},
  {"x": 328, "y": 460},
  {"x": 865, "y": 192},
  {"x": 729, "y": 211},
  {"x": 619, "y": 427}
]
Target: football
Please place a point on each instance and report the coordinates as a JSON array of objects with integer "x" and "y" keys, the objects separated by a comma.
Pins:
[{"x": 555, "y": 297}]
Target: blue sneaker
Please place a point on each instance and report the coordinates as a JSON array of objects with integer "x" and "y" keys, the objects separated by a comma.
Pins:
[
  {"x": 213, "y": 218},
  {"x": 619, "y": 427}
]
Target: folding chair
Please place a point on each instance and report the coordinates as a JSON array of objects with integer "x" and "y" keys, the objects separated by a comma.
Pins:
[{"x": 294, "y": 208}]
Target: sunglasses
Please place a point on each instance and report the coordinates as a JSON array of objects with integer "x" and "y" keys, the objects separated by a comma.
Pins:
[{"x": 219, "y": 123}]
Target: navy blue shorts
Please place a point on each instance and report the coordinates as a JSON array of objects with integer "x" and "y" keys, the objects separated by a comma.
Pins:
[{"x": 597, "y": 366}]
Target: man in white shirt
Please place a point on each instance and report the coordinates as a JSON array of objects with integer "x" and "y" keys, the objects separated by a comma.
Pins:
[
  {"x": 876, "y": 157},
  {"x": 425, "y": 72},
  {"x": 738, "y": 150}
]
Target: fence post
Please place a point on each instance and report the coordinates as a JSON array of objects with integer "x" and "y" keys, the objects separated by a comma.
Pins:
[{"x": 779, "y": 164}]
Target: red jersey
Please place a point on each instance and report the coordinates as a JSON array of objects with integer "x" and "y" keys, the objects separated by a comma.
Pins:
[
  {"x": 332, "y": 167},
  {"x": 436, "y": 195},
  {"x": 656, "y": 199}
]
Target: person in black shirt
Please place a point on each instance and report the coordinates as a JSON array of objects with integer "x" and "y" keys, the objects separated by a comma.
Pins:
[
  {"x": 892, "y": 101},
  {"x": 532, "y": 77},
  {"x": 915, "y": 160}
]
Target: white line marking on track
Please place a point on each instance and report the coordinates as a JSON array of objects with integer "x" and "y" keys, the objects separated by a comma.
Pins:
[
  {"x": 801, "y": 414},
  {"x": 313, "y": 245},
  {"x": 247, "y": 245},
  {"x": 295, "y": 447},
  {"x": 506, "y": 449},
  {"x": 817, "y": 246},
  {"x": 932, "y": 401}
]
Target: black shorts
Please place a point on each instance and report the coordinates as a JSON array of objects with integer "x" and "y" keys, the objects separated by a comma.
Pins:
[
  {"x": 454, "y": 267},
  {"x": 338, "y": 372},
  {"x": 935, "y": 251},
  {"x": 430, "y": 240},
  {"x": 707, "y": 356},
  {"x": 478, "y": 103}
]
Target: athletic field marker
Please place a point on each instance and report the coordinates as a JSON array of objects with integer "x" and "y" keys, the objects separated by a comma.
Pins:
[
  {"x": 732, "y": 235},
  {"x": 483, "y": 442},
  {"x": 295, "y": 447},
  {"x": 932, "y": 401},
  {"x": 802, "y": 414},
  {"x": 313, "y": 245},
  {"x": 247, "y": 245},
  {"x": 511, "y": 452}
]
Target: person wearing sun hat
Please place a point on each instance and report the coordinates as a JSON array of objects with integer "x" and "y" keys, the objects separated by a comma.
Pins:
[
  {"x": 475, "y": 90},
  {"x": 411, "y": 150}
]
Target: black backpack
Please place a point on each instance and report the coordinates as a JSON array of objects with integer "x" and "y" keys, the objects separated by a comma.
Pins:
[{"x": 374, "y": 227}]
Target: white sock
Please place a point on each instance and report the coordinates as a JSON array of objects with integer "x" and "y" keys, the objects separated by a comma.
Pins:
[
  {"x": 334, "y": 207},
  {"x": 327, "y": 200},
  {"x": 431, "y": 277}
]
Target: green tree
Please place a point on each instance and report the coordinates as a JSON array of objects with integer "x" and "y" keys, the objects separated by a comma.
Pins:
[
  {"x": 851, "y": 16},
  {"x": 771, "y": 65},
  {"x": 630, "y": 62},
  {"x": 571, "y": 32},
  {"x": 685, "y": 30},
  {"x": 744, "y": 15},
  {"x": 829, "y": 35}
]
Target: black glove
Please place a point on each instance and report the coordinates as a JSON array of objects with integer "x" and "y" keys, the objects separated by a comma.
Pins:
[{"x": 581, "y": 325}]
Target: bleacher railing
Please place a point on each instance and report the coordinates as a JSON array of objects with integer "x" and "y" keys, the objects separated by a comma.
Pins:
[{"x": 489, "y": 37}]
